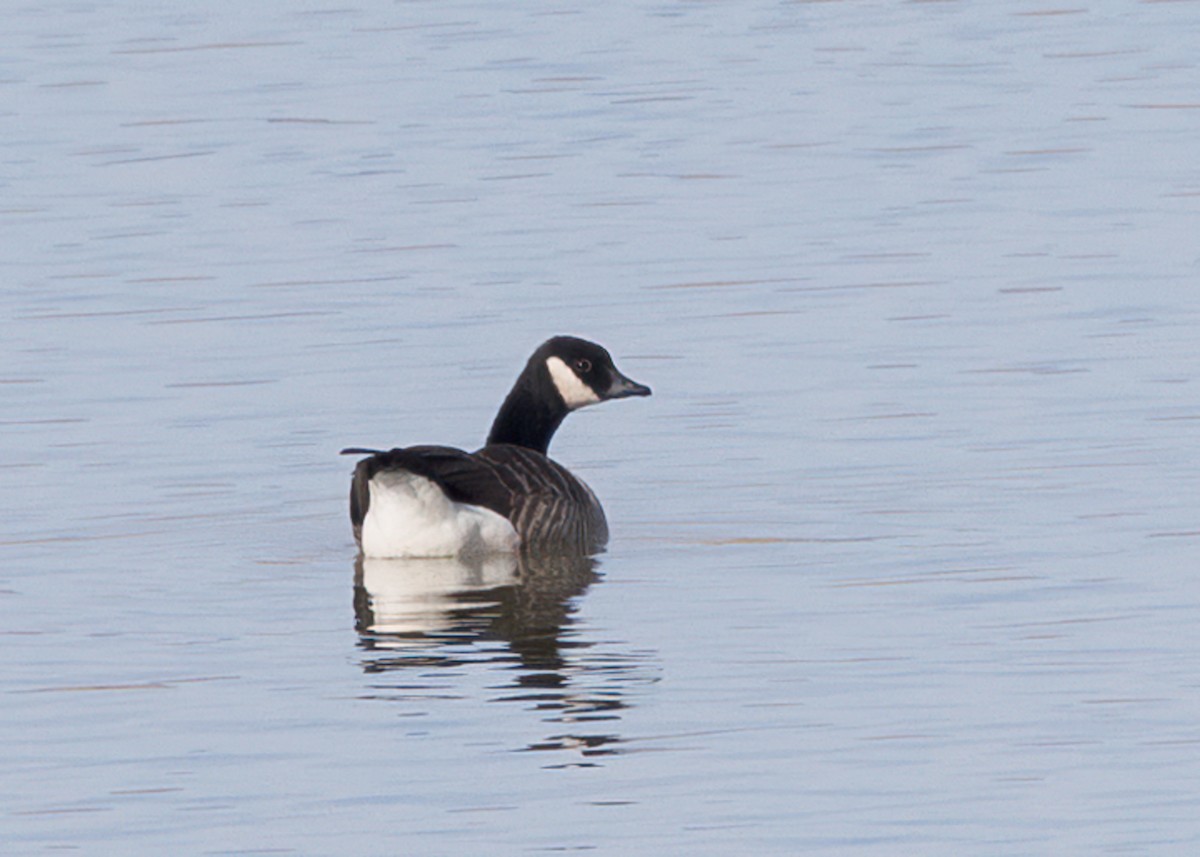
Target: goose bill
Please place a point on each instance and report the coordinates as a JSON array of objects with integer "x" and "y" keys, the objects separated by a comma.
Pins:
[{"x": 623, "y": 387}]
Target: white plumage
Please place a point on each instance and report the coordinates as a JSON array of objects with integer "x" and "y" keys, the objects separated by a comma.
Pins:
[
  {"x": 575, "y": 394},
  {"x": 410, "y": 516}
]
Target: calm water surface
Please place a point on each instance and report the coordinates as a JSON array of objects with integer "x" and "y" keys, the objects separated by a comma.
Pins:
[{"x": 904, "y": 555}]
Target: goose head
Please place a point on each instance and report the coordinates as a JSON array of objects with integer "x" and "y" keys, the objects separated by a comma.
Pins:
[
  {"x": 583, "y": 373},
  {"x": 564, "y": 374}
]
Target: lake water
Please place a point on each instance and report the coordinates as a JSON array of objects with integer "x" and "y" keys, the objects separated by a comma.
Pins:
[{"x": 904, "y": 554}]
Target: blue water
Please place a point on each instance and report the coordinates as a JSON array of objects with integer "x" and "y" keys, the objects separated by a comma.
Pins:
[{"x": 903, "y": 545}]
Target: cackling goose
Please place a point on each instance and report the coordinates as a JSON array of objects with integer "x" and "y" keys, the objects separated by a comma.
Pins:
[{"x": 508, "y": 496}]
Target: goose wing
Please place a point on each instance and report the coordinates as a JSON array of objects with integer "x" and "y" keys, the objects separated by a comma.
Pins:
[
  {"x": 464, "y": 477},
  {"x": 549, "y": 505}
]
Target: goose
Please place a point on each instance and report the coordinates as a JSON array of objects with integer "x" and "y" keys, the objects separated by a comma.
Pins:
[{"x": 508, "y": 496}]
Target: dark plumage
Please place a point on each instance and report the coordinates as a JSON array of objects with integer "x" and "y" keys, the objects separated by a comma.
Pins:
[{"x": 437, "y": 500}]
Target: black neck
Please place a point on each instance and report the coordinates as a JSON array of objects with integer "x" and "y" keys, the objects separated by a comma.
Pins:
[{"x": 529, "y": 418}]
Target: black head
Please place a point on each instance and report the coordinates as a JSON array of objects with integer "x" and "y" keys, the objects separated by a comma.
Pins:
[
  {"x": 564, "y": 374},
  {"x": 582, "y": 372}
]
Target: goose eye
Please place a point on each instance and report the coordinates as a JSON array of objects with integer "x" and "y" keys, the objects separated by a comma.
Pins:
[{"x": 583, "y": 365}]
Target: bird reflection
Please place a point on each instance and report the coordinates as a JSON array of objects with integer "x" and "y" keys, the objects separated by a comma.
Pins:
[{"x": 512, "y": 611}]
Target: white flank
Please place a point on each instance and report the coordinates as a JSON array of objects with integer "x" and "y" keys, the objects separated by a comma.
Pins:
[
  {"x": 575, "y": 393},
  {"x": 410, "y": 516}
]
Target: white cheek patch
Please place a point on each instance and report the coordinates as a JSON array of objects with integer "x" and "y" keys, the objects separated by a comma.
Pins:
[{"x": 574, "y": 392}]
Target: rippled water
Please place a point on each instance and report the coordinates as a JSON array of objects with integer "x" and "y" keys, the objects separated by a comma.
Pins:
[{"x": 904, "y": 544}]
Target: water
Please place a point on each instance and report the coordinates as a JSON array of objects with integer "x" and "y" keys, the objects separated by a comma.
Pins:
[{"x": 904, "y": 544}]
